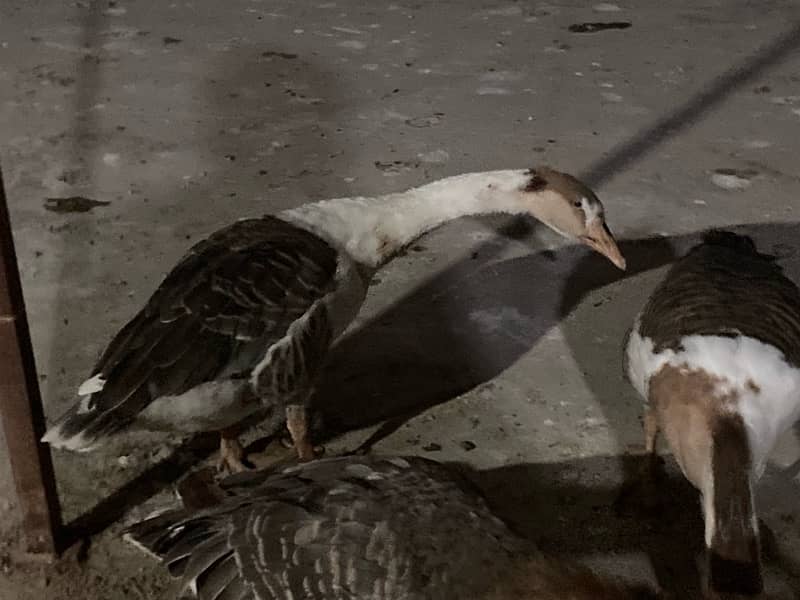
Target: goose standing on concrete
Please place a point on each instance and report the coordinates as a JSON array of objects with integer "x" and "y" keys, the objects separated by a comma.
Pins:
[
  {"x": 246, "y": 318},
  {"x": 361, "y": 528},
  {"x": 716, "y": 353}
]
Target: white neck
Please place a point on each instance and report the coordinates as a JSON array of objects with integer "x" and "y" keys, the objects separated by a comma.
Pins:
[{"x": 373, "y": 230}]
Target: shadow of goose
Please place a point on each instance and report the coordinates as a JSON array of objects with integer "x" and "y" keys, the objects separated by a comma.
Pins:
[
  {"x": 567, "y": 508},
  {"x": 461, "y": 329}
]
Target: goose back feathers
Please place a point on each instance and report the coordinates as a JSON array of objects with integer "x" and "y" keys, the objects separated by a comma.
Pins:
[
  {"x": 725, "y": 287},
  {"x": 338, "y": 528},
  {"x": 210, "y": 323},
  {"x": 360, "y": 528}
]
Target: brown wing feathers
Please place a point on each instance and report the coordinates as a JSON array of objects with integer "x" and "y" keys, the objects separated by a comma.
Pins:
[
  {"x": 725, "y": 287},
  {"x": 215, "y": 313}
]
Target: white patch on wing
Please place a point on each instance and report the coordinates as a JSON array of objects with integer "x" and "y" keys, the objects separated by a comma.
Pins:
[
  {"x": 741, "y": 362},
  {"x": 92, "y": 385}
]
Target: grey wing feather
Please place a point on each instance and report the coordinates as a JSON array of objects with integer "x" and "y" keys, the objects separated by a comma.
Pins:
[
  {"x": 237, "y": 589},
  {"x": 206, "y": 557},
  {"x": 347, "y": 527},
  {"x": 211, "y": 584}
]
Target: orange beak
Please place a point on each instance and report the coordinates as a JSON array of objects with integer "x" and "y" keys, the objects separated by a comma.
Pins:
[{"x": 599, "y": 238}]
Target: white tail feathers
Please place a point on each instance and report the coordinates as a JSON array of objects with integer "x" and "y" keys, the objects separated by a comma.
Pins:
[
  {"x": 77, "y": 442},
  {"x": 68, "y": 432}
]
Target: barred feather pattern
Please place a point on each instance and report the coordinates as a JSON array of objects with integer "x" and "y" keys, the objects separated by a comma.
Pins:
[
  {"x": 290, "y": 365},
  {"x": 185, "y": 361},
  {"x": 341, "y": 528},
  {"x": 724, "y": 287}
]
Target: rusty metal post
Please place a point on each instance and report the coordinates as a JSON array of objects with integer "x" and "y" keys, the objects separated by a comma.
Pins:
[{"x": 21, "y": 406}]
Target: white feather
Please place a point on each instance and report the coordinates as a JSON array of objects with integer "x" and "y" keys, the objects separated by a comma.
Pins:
[
  {"x": 75, "y": 443},
  {"x": 84, "y": 404},
  {"x": 371, "y": 229},
  {"x": 92, "y": 385},
  {"x": 740, "y": 362},
  {"x": 139, "y": 546}
]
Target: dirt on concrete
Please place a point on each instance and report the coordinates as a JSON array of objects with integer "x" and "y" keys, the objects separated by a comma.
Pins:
[{"x": 491, "y": 343}]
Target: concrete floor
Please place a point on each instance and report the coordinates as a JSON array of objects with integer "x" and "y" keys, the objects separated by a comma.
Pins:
[{"x": 505, "y": 345}]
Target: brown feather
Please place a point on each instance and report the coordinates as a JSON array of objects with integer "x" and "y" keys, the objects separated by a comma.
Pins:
[
  {"x": 725, "y": 289},
  {"x": 215, "y": 315}
]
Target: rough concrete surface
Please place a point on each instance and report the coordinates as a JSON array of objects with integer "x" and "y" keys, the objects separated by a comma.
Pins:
[{"x": 489, "y": 342}]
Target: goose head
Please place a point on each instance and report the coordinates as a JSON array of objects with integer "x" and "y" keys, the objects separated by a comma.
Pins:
[{"x": 570, "y": 208}]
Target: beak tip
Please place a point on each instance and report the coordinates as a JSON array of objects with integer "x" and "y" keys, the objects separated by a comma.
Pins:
[{"x": 601, "y": 241}]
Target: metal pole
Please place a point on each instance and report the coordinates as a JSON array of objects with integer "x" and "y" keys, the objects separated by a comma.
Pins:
[{"x": 21, "y": 406}]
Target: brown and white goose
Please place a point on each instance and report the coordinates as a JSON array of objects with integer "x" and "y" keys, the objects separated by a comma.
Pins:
[
  {"x": 246, "y": 318},
  {"x": 360, "y": 528},
  {"x": 716, "y": 354}
]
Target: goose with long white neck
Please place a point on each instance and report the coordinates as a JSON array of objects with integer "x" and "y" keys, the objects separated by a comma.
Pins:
[{"x": 244, "y": 321}]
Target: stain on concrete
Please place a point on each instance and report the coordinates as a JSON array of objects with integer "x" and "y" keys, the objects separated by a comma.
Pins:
[
  {"x": 72, "y": 204},
  {"x": 595, "y": 27}
]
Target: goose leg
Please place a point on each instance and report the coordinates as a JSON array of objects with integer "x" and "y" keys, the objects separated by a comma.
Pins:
[
  {"x": 650, "y": 430},
  {"x": 231, "y": 452},
  {"x": 651, "y": 468},
  {"x": 642, "y": 493},
  {"x": 297, "y": 424},
  {"x": 287, "y": 442}
]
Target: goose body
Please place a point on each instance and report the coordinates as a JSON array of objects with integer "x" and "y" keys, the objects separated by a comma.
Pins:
[
  {"x": 360, "y": 528},
  {"x": 716, "y": 353},
  {"x": 244, "y": 321}
]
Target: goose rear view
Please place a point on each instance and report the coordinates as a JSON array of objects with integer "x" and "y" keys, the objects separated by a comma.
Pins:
[{"x": 716, "y": 354}]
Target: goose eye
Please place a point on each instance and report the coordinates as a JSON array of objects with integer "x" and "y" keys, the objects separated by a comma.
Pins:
[{"x": 577, "y": 203}]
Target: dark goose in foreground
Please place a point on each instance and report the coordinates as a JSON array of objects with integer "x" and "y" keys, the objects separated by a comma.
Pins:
[
  {"x": 716, "y": 354},
  {"x": 360, "y": 528},
  {"x": 245, "y": 320}
]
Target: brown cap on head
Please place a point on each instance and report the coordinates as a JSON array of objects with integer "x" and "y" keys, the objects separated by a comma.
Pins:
[
  {"x": 572, "y": 209},
  {"x": 563, "y": 183}
]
